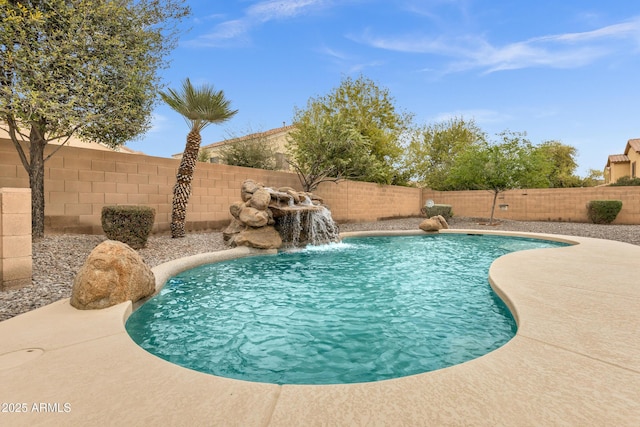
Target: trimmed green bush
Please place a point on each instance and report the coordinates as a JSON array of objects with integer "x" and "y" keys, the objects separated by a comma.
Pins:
[
  {"x": 445, "y": 210},
  {"x": 603, "y": 211},
  {"x": 128, "y": 224}
]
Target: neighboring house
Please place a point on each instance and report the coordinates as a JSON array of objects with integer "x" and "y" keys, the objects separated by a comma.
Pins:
[
  {"x": 627, "y": 164},
  {"x": 277, "y": 137}
]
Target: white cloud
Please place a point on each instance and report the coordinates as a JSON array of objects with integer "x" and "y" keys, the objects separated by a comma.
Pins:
[
  {"x": 344, "y": 61},
  {"x": 213, "y": 16},
  {"x": 570, "y": 50},
  {"x": 227, "y": 31},
  {"x": 629, "y": 29},
  {"x": 237, "y": 31},
  {"x": 276, "y": 9},
  {"x": 332, "y": 53}
]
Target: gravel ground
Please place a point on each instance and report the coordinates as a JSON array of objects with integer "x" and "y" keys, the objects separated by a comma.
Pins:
[{"x": 57, "y": 258}]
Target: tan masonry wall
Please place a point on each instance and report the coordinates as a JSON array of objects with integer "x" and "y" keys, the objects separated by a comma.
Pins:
[
  {"x": 15, "y": 238},
  {"x": 352, "y": 201},
  {"x": 79, "y": 182},
  {"x": 552, "y": 204}
]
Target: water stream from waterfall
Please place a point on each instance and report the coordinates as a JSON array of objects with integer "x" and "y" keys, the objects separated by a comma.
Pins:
[{"x": 307, "y": 226}]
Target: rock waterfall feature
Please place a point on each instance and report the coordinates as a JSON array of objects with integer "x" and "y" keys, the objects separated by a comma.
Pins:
[{"x": 269, "y": 218}]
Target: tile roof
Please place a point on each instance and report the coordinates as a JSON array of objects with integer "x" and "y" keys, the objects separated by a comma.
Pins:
[
  {"x": 618, "y": 158},
  {"x": 633, "y": 143}
]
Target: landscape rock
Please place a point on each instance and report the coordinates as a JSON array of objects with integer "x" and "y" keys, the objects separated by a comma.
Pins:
[
  {"x": 260, "y": 199},
  {"x": 261, "y": 238},
  {"x": 289, "y": 217},
  {"x": 294, "y": 195},
  {"x": 435, "y": 223},
  {"x": 442, "y": 221},
  {"x": 248, "y": 188},
  {"x": 234, "y": 227},
  {"x": 253, "y": 217},
  {"x": 112, "y": 273},
  {"x": 430, "y": 225},
  {"x": 236, "y": 208}
]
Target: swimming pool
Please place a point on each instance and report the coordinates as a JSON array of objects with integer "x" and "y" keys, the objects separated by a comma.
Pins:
[{"x": 364, "y": 310}]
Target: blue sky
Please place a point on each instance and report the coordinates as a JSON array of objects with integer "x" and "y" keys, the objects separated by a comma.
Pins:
[{"x": 557, "y": 70}]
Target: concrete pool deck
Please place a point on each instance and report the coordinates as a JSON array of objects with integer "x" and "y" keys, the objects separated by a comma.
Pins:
[{"x": 574, "y": 361}]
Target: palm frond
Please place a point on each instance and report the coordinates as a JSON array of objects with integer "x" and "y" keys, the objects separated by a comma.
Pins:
[{"x": 200, "y": 106}]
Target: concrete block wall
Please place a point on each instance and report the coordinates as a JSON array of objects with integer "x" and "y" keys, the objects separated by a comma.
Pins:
[
  {"x": 550, "y": 204},
  {"x": 79, "y": 182},
  {"x": 15, "y": 238},
  {"x": 352, "y": 201}
]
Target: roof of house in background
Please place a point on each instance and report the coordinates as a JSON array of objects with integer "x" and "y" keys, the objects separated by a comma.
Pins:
[
  {"x": 249, "y": 137},
  {"x": 633, "y": 144},
  {"x": 618, "y": 158}
]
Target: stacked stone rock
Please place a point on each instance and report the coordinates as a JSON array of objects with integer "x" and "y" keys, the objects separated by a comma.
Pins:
[{"x": 253, "y": 217}]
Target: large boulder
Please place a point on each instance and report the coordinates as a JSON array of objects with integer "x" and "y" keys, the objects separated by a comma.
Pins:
[
  {"x": 430, "y": 225},
  {"x": 253, "y": 217},
  {"x": 261, "y": 238},
  {"x": 435, "y": 223},
  {"x": 234, "y": 227},
  {"x": 260, "y": 199},
  {"x": 248, "y": 188},
  {"x": 236, "y": 208},
  {"x": 112, "y": 273},
  {"x": 441, "y": 220}
]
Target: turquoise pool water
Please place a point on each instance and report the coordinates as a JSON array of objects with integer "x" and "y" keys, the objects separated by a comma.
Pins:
[{"x": 367, "y": 309}]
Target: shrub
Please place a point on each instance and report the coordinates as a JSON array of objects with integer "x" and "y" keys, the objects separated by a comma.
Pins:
[
  {"x": 626, "y": 181},
  {"x": 128, "y": 224},
  {"x": 257, "y": 152},
  {"x": 603, "y": 211},
  {"x": 444, "y": 210}
]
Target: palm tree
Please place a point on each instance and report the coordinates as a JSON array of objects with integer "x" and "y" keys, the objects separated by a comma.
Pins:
[{"x": 200, "y": 107}]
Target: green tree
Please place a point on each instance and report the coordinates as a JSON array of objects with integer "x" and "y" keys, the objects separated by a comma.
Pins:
[
  {"x": 83, "y": 68},
  {"x": 498, "y": 167},
  {"x": 594, "y": 177},
  {"x": 561, "y": 164},
  {"x": 433, "y": 150},
  {"x": 203, "y": 156},
  {"x": 254, "y": 152},
  {"x": 354, "y": 132},
  {"x": 200, "y": 107}
]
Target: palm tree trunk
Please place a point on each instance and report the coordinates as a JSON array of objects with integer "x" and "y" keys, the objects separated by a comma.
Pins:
[{"x": 182, "y": 189}]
